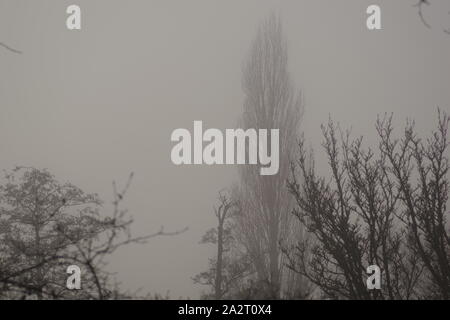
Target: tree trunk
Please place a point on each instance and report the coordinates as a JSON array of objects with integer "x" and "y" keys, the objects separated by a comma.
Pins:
[{"x": 218, "y": 280}]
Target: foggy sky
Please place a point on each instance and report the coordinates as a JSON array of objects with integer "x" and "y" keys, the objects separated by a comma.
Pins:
[{"x": 96, "y": 104}]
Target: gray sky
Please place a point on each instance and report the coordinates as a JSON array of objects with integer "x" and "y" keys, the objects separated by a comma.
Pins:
[{"x": 94, "y": 105}]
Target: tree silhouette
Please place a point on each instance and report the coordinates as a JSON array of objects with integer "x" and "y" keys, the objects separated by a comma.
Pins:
[
  {"x": 45, "y": 226},
  {"x": 265, "y": 204},
  {"x": 385, "y": 207},
  {"x": 230, "y": 266}
]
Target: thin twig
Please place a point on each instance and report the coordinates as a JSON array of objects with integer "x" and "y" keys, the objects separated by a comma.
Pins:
[{"x": 9, "y": 48}]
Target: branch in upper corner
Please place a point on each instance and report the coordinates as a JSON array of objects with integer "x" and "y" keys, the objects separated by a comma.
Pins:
[
  {"x": 419, "y": 6},
  {"x": 9, "y": 48}
]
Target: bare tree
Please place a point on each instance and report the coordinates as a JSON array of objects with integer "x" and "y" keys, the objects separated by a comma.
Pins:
[
  {"x": 270, "y": 103},
  {"x": 45, "y": 226},
  {"x": 230, "y": 265},
  {"x": 371, "y": 211},
  {"x": 424, "y": 203}
]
